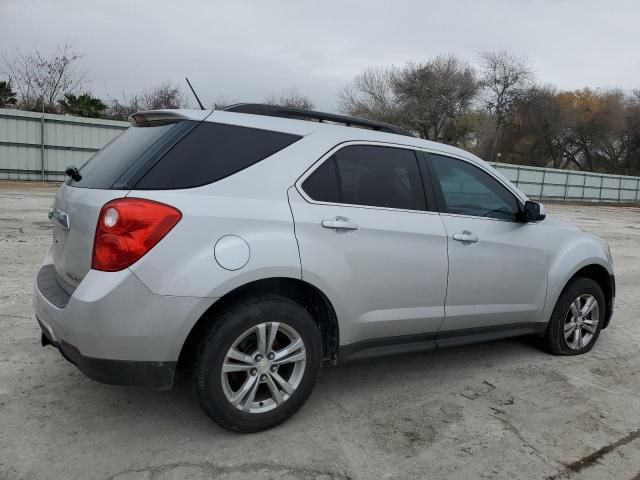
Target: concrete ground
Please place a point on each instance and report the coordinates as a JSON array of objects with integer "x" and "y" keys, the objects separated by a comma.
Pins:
[{"x": 500, "y": 410}]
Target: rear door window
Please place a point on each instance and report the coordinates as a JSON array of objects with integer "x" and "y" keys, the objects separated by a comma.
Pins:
[
  {"x": 323, "y": 183},
  {"x": 211, "y": 152},
  {"x": 369, "y": 175}
]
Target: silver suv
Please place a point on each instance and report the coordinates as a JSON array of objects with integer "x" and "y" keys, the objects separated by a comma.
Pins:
[{"x": 252, "y": 244}]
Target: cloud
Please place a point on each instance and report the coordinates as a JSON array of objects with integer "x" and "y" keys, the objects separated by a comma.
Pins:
[{"x": 245, "y": 50}]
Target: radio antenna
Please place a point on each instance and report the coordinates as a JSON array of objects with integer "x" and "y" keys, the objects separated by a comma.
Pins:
[{"x": 194, "y": 94}]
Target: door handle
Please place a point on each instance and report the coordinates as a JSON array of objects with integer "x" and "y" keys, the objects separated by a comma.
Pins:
[
  {"x": 465, "y": 236},
  {"x": 340, "y": 223}
]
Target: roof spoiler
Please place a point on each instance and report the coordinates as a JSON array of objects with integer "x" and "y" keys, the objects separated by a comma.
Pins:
[{"x": 156, "y": 117}]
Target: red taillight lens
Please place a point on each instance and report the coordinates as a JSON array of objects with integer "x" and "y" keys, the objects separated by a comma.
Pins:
[{"x": 127, "y": 229}]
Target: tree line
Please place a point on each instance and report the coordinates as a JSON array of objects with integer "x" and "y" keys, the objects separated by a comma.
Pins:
[{"x": 497, "y": 109}]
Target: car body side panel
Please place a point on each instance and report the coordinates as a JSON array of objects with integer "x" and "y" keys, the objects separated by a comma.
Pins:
[
  {"x": 184, "y": 263},
  {"x": 501, "y": 279},
  {"x": 252, "y": 205},
  {"x": 112, "y": 315},
  {"x": 386, "y": 279},
  {"x": 570, "y": 250}
]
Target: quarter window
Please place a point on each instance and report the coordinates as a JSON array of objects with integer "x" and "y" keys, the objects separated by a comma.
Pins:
[
  {"x": 371, "y": 176},
  {"x": 211, "y": 152},
  {"x": 467, "y": 190}
]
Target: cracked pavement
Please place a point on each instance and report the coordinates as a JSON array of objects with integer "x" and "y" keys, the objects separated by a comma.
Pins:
[{"x": 499, "y": 410}]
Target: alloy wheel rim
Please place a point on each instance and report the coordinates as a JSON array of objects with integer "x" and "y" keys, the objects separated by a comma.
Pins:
[
  {"x": 263, "y": 367},
  {"x": 581, "y": 322}
]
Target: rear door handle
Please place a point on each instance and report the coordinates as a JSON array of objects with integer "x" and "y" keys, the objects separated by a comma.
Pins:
[
  {"x": 340, "y": 223},
  {"x": 466, "y": 236}
]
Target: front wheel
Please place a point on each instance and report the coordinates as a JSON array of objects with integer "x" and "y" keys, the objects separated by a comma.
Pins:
[
  {"x": 258, "y": 364},
  {"x": 577, "y": 318}
]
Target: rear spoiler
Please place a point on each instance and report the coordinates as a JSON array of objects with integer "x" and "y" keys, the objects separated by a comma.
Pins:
[{"x": 163, "y": 117}]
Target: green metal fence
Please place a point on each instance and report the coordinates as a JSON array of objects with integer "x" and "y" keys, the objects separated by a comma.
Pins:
[
  {"x": 34, "y": 146},
  {"x": 571, "y": 185}
]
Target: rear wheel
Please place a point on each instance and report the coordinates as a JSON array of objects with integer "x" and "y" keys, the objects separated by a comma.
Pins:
[
  {"x": 258, "y": 364},
  {"x": 577, "y": 319}
]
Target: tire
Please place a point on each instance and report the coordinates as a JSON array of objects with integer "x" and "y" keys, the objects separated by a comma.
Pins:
[
  {"x": 582, "y": 331},
  {"x": 261, "y": 400}
]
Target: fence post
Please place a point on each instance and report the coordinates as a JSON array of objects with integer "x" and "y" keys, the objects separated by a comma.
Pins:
[
  {"x": 42, "y": 143},
  {"x": 566, "y": 186},
  {"x": 600, "y": 194},
  {"x": 637, "y": 189},
  {"x": 518, "y": 176},
  {"x": 584, "y": 183},
  {"x": 544, "y": 174},
  {"x": 619, "y": 188}
]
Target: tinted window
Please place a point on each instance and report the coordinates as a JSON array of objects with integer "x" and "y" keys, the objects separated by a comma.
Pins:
[
  {"x": 369, "y": 175},
  {"x": 210, "y": 152},
  {"x": 467, "y": 190},
  {"x": 322, "y": 184},
  {"x": 105, "y": 167}
]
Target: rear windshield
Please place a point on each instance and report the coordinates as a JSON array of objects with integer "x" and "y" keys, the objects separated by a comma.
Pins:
[
  {"x": 107, "y": 165},
  {"x": 167, "y": 157}
]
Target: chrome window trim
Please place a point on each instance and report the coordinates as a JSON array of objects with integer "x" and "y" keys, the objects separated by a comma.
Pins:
[{"x": 447, "y": 214}]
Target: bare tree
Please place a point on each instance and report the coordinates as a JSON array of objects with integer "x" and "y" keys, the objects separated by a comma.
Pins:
[
  {"x": 165, "y": 95},
  {"x": 431, "y": 98},
  {"x": 505, "y": 78},
  {"x": 371, "y": 95},
  {"x": 291, "y": 97},
  {"x": 434, "y": 97},
  {"x": 42, "y": 80},
  {"x": 120, "y": 109},
  {"x": 222, "y": 102}
]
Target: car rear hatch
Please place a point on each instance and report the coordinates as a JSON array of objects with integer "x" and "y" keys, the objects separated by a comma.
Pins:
[{"x": 109, "y": 174}]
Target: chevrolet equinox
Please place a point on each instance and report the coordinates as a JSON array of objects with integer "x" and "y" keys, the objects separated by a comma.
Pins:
[{"x": 251, "y": 244}]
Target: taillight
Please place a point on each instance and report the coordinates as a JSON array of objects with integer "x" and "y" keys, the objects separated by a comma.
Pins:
[{"x": 127, "y": 229}]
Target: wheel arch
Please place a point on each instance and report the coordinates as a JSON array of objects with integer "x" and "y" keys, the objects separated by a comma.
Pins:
[
  {"x": 301, "y": 292},
  {"x": 599, "y": 274},
  {"x": 602, "y": 277}
]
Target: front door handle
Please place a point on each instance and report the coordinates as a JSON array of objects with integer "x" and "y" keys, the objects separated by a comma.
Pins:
[
  {"x": 465, "y": 236},
  {"x": 340, "y": 223}
]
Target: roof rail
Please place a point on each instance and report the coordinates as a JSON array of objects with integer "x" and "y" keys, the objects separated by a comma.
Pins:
[{"x": 300, "y": 114}]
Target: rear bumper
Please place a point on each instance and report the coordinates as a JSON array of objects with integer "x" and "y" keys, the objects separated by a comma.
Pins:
[
  {"x": 155, "y": 375},
  {"x": 115, "y": 330}
]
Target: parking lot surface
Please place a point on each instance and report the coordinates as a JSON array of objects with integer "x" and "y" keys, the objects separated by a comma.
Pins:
[{"x": 499, "y": 410}]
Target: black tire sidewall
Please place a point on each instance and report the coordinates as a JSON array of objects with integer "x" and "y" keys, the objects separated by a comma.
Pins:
[
  {"x": 555, "y": 333},
  {"x": 226, "y": 330}
]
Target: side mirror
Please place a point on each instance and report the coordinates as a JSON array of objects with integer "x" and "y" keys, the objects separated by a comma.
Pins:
[{"x": 532, "y": 212}]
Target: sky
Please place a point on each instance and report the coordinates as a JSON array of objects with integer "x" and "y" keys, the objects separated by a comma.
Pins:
[{"x": 242, "y": 50}]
